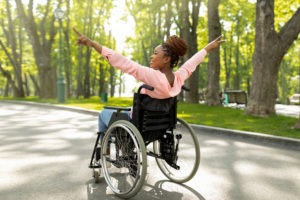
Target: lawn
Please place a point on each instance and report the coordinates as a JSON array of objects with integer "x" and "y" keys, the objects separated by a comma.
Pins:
[
  {"x": 222, "y": 117},
  {"x": 233, "y": 118}
]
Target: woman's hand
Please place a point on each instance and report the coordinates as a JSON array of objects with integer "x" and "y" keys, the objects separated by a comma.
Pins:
[
  {"x": 214, "y": 44},
  {"x": 83, "y": 40}
]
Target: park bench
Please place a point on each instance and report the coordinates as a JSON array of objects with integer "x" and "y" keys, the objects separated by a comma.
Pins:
[{"x": 235, "y": 97}]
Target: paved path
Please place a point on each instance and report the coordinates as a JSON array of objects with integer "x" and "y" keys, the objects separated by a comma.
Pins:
[
  {"x": 281, "y": 109},
  {"x": 44, "y": 154},
  {"x": 288, "y": 110}
]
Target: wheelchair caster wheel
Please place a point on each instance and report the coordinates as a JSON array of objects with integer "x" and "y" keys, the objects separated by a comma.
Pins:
[{"x": 96, "y": 176}]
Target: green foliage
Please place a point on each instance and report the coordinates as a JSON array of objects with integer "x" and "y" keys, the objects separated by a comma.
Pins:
[
  {"x": 154, "y": 20},
  {"x": 284, "y": 10}
]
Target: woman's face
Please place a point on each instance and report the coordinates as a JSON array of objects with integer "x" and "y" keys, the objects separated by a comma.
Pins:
[{"x": 158, "y": 60}]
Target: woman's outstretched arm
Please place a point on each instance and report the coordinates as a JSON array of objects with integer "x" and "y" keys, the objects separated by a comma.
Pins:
[{"x": 84, "y": 40}]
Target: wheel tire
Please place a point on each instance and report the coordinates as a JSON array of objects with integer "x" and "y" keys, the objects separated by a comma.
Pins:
[
  {"x": 188, "y": 160},
  {"x": 128, "y": 169}
]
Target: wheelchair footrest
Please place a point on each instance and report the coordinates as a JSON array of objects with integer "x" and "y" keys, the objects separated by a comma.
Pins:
[
  {"x": 94, "y": 166},
  {"x": 150, "y": 153},
  {"x": 174, "y": 165}
]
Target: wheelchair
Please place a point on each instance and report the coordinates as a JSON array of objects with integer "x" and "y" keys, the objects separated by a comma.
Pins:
[{"x": 122, "y": 157}]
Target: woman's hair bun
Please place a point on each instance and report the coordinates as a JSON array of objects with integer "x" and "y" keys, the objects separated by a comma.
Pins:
[{"x": 177, "y": 44}]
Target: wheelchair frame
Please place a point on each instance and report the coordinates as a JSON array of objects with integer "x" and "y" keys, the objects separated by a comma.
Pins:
[{"x": 153, "y": 121}]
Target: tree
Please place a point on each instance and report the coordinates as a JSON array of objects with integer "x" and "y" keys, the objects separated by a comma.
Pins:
[
  {"x": 14, "y": 42},
  {"x": 41, "y": 33},
  {"x": 214, "y": 30},
  {"x": 92, "y": 16},
  {"x": 187, "y": 23},
  {"x": 149, "y": 35},
  {"x": 67, "y": 53},
  {"x": 270, "y": 47}
]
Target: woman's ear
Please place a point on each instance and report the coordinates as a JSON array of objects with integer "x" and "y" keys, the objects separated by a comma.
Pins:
[{"x": 167, "y": 59}]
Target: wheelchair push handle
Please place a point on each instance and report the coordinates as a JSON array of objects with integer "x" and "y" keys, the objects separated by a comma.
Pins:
[
  {"x": 185, "y": 88},
  {"x": 147, "y": 87}
]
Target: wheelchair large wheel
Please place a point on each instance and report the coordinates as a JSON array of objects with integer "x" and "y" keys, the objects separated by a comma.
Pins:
[
  {"x": 124, "y": 165},
  {"x": 188, "y": 154}
]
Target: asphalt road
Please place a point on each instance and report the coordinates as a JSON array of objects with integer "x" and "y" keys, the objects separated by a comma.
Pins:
[{"x": 44, "y": 154}]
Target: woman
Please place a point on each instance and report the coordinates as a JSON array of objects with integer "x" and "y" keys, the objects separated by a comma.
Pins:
[{"x": 160, "y": 75}]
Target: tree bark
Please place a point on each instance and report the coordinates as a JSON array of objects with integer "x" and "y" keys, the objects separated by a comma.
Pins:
[
  {"x": 35, "y": 84},
  {"x": 270, "y": 47},
  {"x": 102, "y": 70},
  {"x": 68, "y": 62},
  {"x": 214, "y": 30},
  {"x": 86, "y": 80},
  {"x": 10, "y": 81}
]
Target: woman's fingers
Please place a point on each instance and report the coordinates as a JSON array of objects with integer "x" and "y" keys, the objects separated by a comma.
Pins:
[
  {"x": 82, "y": 39},
  {"x": 219, "y": 38},
  {"x": 74, "y": 29}
]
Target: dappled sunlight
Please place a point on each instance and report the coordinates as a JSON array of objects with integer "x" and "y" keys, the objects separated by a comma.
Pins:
[
  {"x": 42, "y": 150},
  {"x": 240, "y": 169},
  {"x": 183, "y": 115},
  {"x": 14, "y": 168},
  {"x": 51, "y": 144},
  {"x": 247, "y": 168},
  {"x": 217, "y": 143},
  {"x": 42, "y": 154}
]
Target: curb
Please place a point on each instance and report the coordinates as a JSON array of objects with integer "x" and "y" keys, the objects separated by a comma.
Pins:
[
  {"x": 251, "y": 136},
  {"x": 54, "y": 106},
  {"x": 236, "y": 134}
]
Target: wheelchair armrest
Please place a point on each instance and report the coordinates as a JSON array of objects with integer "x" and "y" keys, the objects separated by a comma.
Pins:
[{"x": 118, "y": 108}]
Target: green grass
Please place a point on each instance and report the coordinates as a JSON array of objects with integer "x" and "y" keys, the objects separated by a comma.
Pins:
[
  {"x": 232, "y": 118},
  {"x": 222, "y": 117}
]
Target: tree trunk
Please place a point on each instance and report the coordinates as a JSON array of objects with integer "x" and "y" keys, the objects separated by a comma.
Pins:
[
  {"x": 16, "y": 57},
  {"x": 270, "y": 48},
  {"x": 15, "y": 53},
  {"x": 10, "y": 81},
  {"x": 16, "y": 89},
  {"x": 79, "y": 88},
  {"x": 26, "y": 85},
  {"x": 68, "y": 62},
  {"x": 41, "y": 40},
  {"x": 35, "y": 84},
  {"x": 214, "y": 30},
  {"x": 86, "y": 81},
  {"x": 297, "y": 125},
  {"x": 188, "y": 29},
  {"x": 102, "y": 77},
  {"x": 112, "y": 80}
]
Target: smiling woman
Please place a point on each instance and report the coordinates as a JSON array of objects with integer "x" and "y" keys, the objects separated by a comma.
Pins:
[{"x": 160, "y": 75}]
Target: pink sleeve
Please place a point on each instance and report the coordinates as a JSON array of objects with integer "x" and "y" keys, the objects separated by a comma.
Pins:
[
  {"x": 185, "y": 71},
  {"x": 141, "y": 73}
]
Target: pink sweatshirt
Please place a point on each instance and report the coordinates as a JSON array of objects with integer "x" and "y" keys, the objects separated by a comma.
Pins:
[{"x": 152, "y": 77}]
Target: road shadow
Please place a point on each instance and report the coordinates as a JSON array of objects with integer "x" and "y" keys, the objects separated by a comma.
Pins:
[{"x": 163, "y": 189}]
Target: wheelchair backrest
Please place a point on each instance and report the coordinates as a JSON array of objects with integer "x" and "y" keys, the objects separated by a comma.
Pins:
[{"x": 153, "y": 116}]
